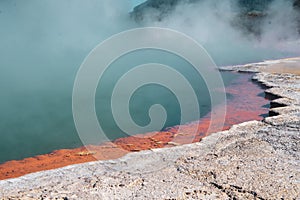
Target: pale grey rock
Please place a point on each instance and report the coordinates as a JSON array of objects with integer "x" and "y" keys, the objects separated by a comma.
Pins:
[{"x": 286, "y": 110}]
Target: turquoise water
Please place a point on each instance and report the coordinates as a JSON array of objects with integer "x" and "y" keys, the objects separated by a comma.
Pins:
[
  {"x": 36, "y": 108},
  {"x": 42, "y": 45}
]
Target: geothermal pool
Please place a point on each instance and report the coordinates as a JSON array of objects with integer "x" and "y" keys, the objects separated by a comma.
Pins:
[
  {"x": 43, "y": 45},
  {"x": 38, "y": 121}
]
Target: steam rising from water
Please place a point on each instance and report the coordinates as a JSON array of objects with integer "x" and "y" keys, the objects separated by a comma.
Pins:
[
  {"x": 43, "y": 43},
  {"x": 219, "y": 25}
]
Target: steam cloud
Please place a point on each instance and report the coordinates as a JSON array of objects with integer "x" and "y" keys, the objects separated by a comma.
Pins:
[
  {"x": 42, "y": 44},
  {"x": 230, "y": 33}
]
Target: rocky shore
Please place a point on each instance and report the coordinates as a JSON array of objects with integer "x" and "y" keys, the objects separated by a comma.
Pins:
[{"x": 252, "y": 160}]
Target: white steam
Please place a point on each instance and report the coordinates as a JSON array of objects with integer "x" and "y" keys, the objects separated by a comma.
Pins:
[{"x": 214, "y": 24}]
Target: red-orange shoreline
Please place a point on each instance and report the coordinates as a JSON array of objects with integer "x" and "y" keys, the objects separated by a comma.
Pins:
[{"x": 245, "y": 106}]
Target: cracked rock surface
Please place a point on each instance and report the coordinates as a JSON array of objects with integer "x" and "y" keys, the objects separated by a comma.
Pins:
[{"x": 252, "y": 160}]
